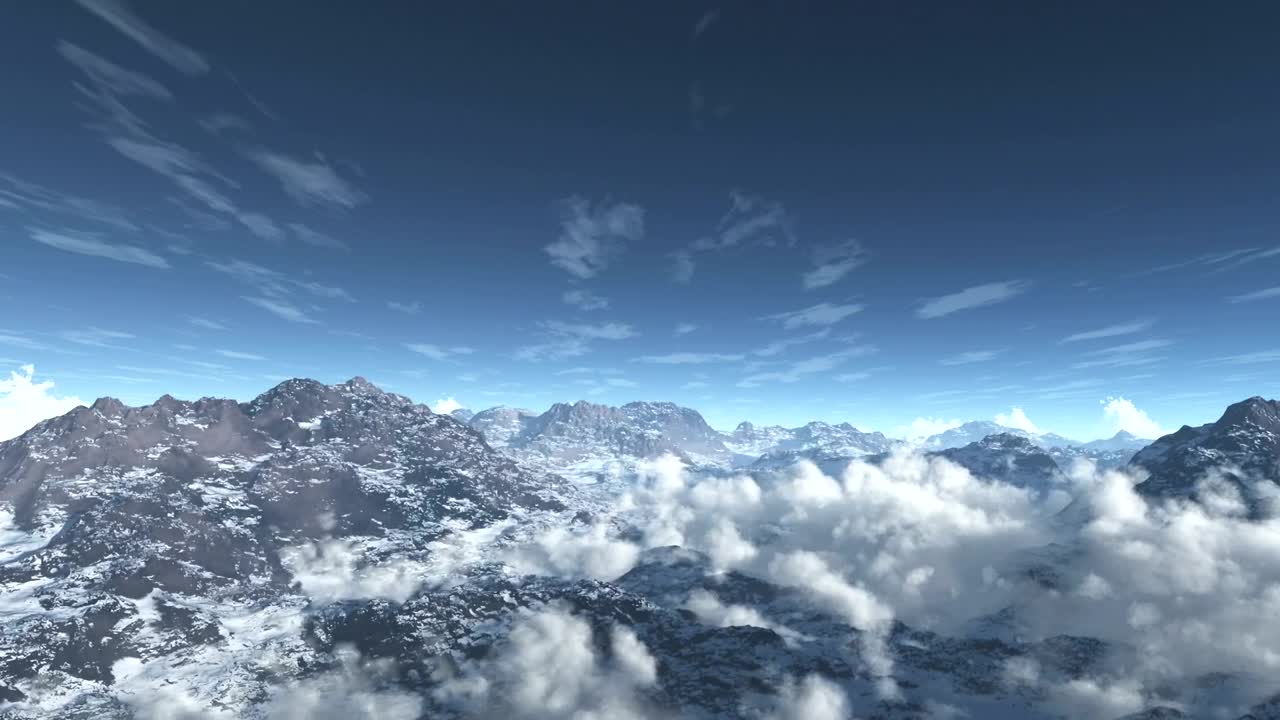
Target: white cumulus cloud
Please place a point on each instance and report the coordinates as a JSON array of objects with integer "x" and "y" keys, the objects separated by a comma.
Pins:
[
  {"x": 1018, "y": 420},
  {"x": 25, "y": 402},
  {"x": 1122, "y": 414}
]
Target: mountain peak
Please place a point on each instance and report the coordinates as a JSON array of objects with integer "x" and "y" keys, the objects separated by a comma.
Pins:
[
  {"x": 1253, "y": 411},
  {"x": 108, "y": 406},
  {"x": 361, "y": 385},
  {"x": 1244, "y": 443}
]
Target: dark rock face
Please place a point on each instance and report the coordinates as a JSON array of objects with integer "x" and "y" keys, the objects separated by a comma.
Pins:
[
  {"x": 638, "y": 429},
  {"x": 1244, "y": 443},
  {"x": 1011, "y": 458},
  {"x": 116, "y": 508},
  {"x": 1120, "y": 442},
  {"x": 462, "y": 415},
  {"x": 583, "y": 440},
  {"x": 500, "y": 424},
  {"x": 970, "y": 432},
  {"x": 829, "y": 446}
]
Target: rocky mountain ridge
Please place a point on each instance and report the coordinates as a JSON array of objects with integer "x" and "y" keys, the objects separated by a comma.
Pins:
[{"x": 221, "y": 557}]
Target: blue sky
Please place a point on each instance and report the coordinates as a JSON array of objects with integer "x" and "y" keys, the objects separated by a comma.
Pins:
[{"x": 853, "y": 212}]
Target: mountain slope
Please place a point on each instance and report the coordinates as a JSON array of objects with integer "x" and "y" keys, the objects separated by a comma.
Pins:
[
  {"x": 1245, "y": 442},
  {"x": 586, "y": 441},
  {"x": 500, "y": 424},
  {"x": 1011, "y": 458},
  {"x": 185, "y": 530},
  {"x": 814, "y": 439}
]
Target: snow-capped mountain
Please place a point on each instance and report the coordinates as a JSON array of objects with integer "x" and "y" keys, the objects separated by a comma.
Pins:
[
  {"x": 975, "y": 430},
  {"x": 1108, "y": 453},
  {"x": 500, "y": 424},
  {"x": 815, "y": 438},
  {"x": 1123, "y": 440},
  {"x": 1012, "y": 458},
  {"x": 586, "y": 441},
  {"x": 970, "y": 432},
  {"x": 462, "y": 415},
  {"x": 1244, "y": 443},
  {"x": 188, "y": 536}
]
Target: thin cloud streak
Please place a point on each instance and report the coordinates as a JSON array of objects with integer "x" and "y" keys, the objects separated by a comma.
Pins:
[
  {"x": 1109, "y": 331},
  {"x": 971, "y": 298},
  {"x": 93, "y": 247}
]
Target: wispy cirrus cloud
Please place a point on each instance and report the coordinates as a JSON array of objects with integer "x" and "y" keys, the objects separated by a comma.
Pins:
[
  {"x": 971, "y": 298},
  {"x": 13, "y": 339},
  {"x": 96, "y": 247},
  {"x": 554, "y": 349},
  {"x": 685, "y": 328},
  {"x": 796, "y": 371},
  {"x": 96, "y": 337},
  {"x": 971, "y": 357},
  {"x": 1071, "y": 389},
  {"x": 1109, "y": 331},
  {"x": 220, "y": 123},
  {"x": 1265, "y": 294},
  {"x": 750, "y": 220},
  {"x": 120, "y": 15},
  {"x": 597, "y": 386},
  {"x": 108, "y": 91},
  {"x": 682, "y": 266},
  {"x": 112, "y": 80},
  {"x": 1127, "y": 355},
  {"x": 1214, "y": 262},
  {"x": 273, "y": 283},
  {"x": 584, "y": 370},
  {"x": 592, "y": 237},
  {"x": 690, "y": 358},
  {"x": 852, "y": 377},
  {"x": 585, "y": 300},
  {"x": 310, "y": 182},
  {"x": 206, "y": 323},
  {"x": 408, "y": 308},
  {"x": 238, "y": 355},
  {"x": 315, "y": 238},
  {"x": 833, "y": 262},
  {"x": 587, "y": 331},
  {"x": 563, "y": 341},
  {"x": 705, "y": 22},
  {"x": 16, "y": 193},
  {"x": 282, "y": 309},
  {"x": 1246, "y": 259},
  {"x": 816, "y": 315},
  {"x": 772, "y": 349},
  {"x": 777, "y": 347},
  {"x": 1250, "y": 358},
  {"x": 437, "y": 352}
]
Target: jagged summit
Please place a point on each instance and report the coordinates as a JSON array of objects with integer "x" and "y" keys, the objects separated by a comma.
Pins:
[
  {"x": 1255, "y": 411},
  {"x": 1244, "y": 443},
  {"x": 1011, "y": 457}
]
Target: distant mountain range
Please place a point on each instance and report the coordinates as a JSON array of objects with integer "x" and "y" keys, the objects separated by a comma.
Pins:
[
  {"x": 976, "y": 430},
  {"x": 587, "y": 441},
  {"x": 584, "y": 440}
]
